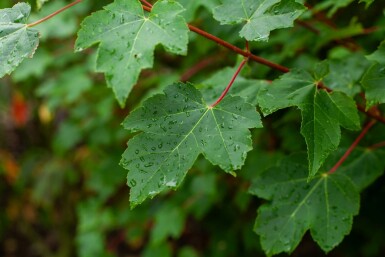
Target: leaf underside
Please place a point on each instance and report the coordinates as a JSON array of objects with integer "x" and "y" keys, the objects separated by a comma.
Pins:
[{"x": 176, "y": 127}]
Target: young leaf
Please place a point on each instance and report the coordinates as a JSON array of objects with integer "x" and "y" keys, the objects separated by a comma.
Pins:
[
  {"x": 260, "y": 16},
  {"x": 17, "y": 40},
  {"x": 322, "y": 113},
  {"x": 325, "y": 206},
  {"x": 176, "y": 127},
  {"x": 127, "y": 38}
]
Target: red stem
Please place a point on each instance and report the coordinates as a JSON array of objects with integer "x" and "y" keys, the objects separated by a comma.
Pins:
[
  {"x": 53, "y": 14},
  {"x": 146, "y": 3},
  {"x": 352, "y": 147},
  {"x": 238, "y": 50},
  {"x": 244, "y": 61}
]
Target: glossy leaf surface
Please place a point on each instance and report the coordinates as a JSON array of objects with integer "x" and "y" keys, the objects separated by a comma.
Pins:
[
  {"x": 127, "y": 38},
  {"x": 178, "y": 126},
  {"x": 325, "y": 206}
]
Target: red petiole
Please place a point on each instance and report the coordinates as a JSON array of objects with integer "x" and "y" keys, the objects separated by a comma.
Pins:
[
  {"x": 352, "y": 147},
  {"x": 53, "y": 14}
]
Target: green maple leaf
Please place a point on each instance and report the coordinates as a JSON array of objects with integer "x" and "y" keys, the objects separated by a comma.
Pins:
[
  {"x": 127, "y": 39},
  {"x": 176, "y": 127},
  {"x": 374, "y": 78},
  {"x": 260, "y": 16},
  {"x": 17, "y": 40},
  {"x": 325, "y": 206},
  {"x": 322, "y": 113}
]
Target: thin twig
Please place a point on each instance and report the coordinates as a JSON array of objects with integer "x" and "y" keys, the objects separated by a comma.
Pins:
[
  {"x": 53, "y": 14},
  {"x": 352, "y": 147},
  {"x": 376, "y": 146},
  {"x": 238, "y": 50},
  {"x": 244, "y": 61}
]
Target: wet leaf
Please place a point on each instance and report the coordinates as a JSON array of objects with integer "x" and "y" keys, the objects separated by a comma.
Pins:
[
  {"x": 178, "y": 126},
  {"x": 127, "y": 38},
  {"x": 323, "y": 113},
  {"x": 325, "y": 206}
]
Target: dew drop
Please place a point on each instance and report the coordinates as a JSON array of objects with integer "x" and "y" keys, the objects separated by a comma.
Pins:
[{"x": 132, "y": 182}]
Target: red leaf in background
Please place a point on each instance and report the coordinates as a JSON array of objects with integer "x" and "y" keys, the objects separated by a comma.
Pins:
[
  {"x": 19, "y": 110},
  {"x": 10, "y": 166}
]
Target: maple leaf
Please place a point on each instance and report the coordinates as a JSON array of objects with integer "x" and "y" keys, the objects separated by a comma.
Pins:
[
  {"x": 127, "y": 39},
  {"x": 322, "y": 113},
  {"x": 17, "y": 40},
  {"x": 260, "y": 16},
  {"x": 176, "y": 127},
  {"x": 325, "y": 206}
]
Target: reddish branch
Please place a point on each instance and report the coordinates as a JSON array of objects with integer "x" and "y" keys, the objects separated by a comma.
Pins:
[
  {"x": 352, "y": 147},
  {"x": 53, "y": 14}
]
